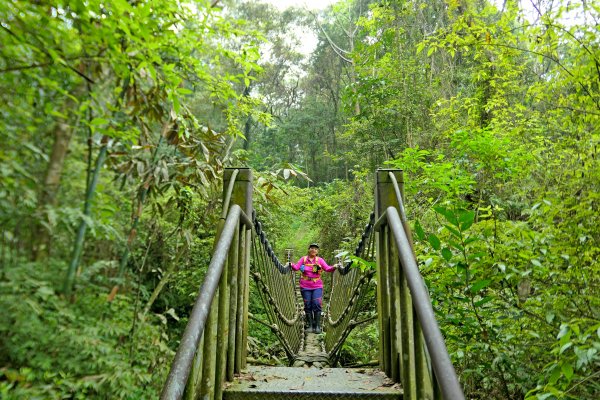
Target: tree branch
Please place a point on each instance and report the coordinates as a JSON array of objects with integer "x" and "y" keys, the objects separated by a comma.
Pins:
[
  {"x": 549, "y": 57},
  {"x": 338, "y": 50}
]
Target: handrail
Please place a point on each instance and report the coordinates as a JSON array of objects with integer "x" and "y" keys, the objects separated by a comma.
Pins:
[
  {"x": 349, "y": 287},
  {"x": 283, "y": 268},
  {"x": 182, "y": 363},
  {"x": 398, "y": 195},
  {"x": 276, "y": 289},
  {"x": 440, "y": 360},
  {"x": 412, "y": 348},
  {"x": 227, "y": 199}
]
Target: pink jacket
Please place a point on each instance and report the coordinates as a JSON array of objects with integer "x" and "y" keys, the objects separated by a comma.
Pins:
[{"x": 310, "y": 279}]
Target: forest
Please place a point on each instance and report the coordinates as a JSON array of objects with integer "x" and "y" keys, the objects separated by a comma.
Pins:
[{"x": 119, "y": 117}]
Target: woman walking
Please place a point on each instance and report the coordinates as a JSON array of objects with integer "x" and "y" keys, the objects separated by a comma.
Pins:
[{"x": 311, "y": 285}]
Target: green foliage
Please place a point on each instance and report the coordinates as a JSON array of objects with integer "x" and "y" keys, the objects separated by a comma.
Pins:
[
  {"x": 576, "y": 361},
  {"x": 492, "y": 117},
  {"x": 263, "y": 345},
  {"x": 159, "y": 85},
  {"x": 339, "y": 211},
  {"x": 87, "y": 349},
  {"x": 361, "y": 347}
]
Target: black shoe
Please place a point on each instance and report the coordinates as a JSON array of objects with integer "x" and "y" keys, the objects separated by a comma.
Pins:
[
  {"x": 309, "y": 322},
  {"x": 318, "y": 323}
]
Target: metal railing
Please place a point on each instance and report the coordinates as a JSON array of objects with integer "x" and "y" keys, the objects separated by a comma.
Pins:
[
  {"x": 276, "y": 288},
  {"x": 412, "y": 348},
  {"x": 202, "y": 363},
  {"x": 348, "y": 290}
]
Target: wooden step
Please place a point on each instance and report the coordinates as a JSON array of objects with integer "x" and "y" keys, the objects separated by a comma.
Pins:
[{"x": 270, "y": 383}]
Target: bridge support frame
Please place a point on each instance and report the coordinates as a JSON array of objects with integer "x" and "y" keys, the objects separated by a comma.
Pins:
[
  {"x": 222, "y": 348},
  {"x": 402, "y": 352}
]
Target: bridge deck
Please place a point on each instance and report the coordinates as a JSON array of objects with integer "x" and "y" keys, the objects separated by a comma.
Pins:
[{"x": 266, "y": 383}]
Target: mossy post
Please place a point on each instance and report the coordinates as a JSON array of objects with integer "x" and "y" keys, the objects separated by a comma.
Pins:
[
  {"x": 397, "y": 343},
  {"x": 226, "y": 326}
]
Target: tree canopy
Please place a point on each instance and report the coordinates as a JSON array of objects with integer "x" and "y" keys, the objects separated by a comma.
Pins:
[{"x": 118, "y": 118}]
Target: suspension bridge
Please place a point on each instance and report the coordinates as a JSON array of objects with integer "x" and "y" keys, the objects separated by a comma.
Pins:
[{"x": 211, "y": 361}]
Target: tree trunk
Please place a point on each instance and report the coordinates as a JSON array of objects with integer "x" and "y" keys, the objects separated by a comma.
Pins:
[
  {"x": 163, "y": 281},
  {"x": 89, "y": 196},
  {"x": 62, "y": 137},
  {"x": 248, "y": 123}
]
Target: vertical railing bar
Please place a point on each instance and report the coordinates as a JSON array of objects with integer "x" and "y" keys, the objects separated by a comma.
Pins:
[
  {"x": 437, "y": 393},
  {"x": 207, "y": 386},
  {"x": 245, "y": 300},
  {"x": 259, "y": 263},
  {"x": 192, "y": 387},
  {"x": 268, "y": 278},
  {"x": 423, "y": 372},
  {"x": 239, "y": 305},
  {"x": 223, "y": 320},
  {"x": 330, "y": 312},
  {"x": 386, "y": 306},
  {"x": 397, "y": 322},
  {"x": 232, "y": 283},
  {"x": 433, "y": 337},
  {"x": 380, "y": 304},
  {"x": 408, "y": 341}
]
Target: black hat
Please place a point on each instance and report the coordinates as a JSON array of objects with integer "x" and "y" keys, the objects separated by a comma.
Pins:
[{"x": 313, "y": 245}]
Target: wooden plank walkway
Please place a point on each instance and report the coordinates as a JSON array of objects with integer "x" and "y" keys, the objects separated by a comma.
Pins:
[{"x": 267, "y": 383}]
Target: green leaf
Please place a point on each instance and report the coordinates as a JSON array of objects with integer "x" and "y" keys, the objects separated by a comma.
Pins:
[
  {"x": 564, "y": 329},
  {"x": 565, "y": 347},
  {"x": 434, "y": 241},
  {"x": 483, "y": 301},
  {"x": 555, "y": 376},
  {"x": 471, "y": 240},
  {"x": 184, "y": 91},
  {"x": 456, "y": 245},
  {"x": 453, "y": 231},
  {"x": 419, "y": 231},
  {"x": 446, "y": 253},
  {"x": 98, "y": 121},
  {"x": 448, "y": 214},
  {"x": 536, "y": 262},
  {"x": 567, "y": 370},
  {"x": 466, "y": 219},
  {"x": 477, "y": 286}
]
